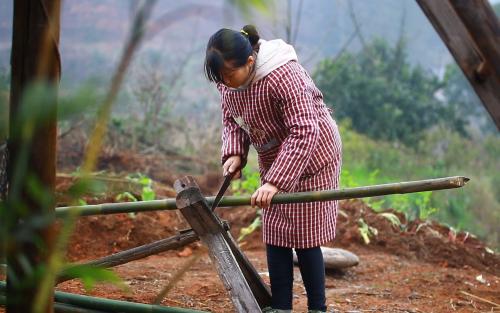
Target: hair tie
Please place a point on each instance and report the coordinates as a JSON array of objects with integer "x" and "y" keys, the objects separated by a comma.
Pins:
[{"x": 244, "y": 32}]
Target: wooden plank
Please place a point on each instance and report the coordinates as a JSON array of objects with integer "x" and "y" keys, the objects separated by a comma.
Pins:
[
  {"x": 260, "y": 290},
  {"x": 467, "y": 54},
  {"x": 209, "y": 228}
]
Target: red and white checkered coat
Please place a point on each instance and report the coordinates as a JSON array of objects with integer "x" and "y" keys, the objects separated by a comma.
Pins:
[{"x": 283, "y": 115}]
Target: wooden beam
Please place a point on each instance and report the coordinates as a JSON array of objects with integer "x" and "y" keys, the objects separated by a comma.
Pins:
[
  {"x": 32, "y": 149},
  {"x": 473, "y": 61},
  {"x": 183, "y": 238},
  {"x": 483, "y": 26},
  {"x": 260, "y": 290},
  {"x": 208, "y": 227}
]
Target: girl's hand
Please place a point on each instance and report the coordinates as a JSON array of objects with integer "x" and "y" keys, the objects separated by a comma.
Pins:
[
  {"x": 231, "y": 165},
  {"x": 263, "y": 196}
]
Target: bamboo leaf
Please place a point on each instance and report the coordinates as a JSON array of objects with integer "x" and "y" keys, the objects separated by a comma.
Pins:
[{"x": 90, "y": 275}]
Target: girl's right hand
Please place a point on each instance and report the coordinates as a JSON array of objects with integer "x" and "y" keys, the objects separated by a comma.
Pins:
[{"x": 231, "y": 165}]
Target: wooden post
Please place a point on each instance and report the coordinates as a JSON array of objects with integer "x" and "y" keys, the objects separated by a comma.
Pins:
[
  {"x": 260, "y": 290},
  {"x": 470, "y": 31},
  {"x": 209, "y": 228},
  {"x": 32, "y": 167}
]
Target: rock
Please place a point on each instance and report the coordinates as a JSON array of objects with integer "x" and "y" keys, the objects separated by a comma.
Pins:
[{"x": 336, "y": 258}]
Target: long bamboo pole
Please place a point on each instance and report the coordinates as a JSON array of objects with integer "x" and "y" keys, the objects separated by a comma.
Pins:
[
  {"x": 324, "y": 195},
  {"x": 108, "y": 305}
]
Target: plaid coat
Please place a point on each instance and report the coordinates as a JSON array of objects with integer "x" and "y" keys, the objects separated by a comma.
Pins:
[{"x": 283, "y": 116}]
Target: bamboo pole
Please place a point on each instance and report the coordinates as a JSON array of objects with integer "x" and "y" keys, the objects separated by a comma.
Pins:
[
  {"x": 324, "y": 195},
  {"x": 108, "y": 305}
]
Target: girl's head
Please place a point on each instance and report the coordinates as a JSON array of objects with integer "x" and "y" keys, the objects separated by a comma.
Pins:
[{"x": 230, "y": 56}]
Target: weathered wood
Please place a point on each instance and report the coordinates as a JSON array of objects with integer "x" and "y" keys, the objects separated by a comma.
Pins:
[
  {"x": 481, "y": 21},
  {"x": 475, "y": 62},
  {"x": 260, "y": 290},
  {"x": 183, "y": 238},
  {"x": 34, "y": 58},
  {"x": 209, "y": 228}
]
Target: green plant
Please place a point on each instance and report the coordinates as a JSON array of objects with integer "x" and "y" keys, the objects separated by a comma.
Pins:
[
  {"x": 366, "y": 231},
  {"x": 147, "y": 192},
  {"x": 395, "y": 221},
  {"x": 248, "y": 183},
  {"x": 257, "y": 222}
]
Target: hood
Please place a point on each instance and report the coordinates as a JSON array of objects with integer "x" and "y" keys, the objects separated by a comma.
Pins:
[{"x": 272, "y": 54}]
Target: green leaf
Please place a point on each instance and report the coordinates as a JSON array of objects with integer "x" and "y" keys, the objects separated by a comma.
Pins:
[
  {"x": 395, "y": 221},
  {"x": 126, "y": 196},
  {"x": 148, "y": 194},
  {"x": 90, "y": 275},
  {"x": 245, "y": 231}
]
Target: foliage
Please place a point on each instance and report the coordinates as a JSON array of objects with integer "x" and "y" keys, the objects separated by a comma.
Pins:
[
  {"x": 257, "y": 222},
  {"x": 366, "y": 231},
  {"x": 249, "y": 182},
  {"x": 90, "y": 275},
  {"x": 34, "y": 112},
  {"x": 441, "y": 152},
  {"x": 27, "y": 212},
  {"x": 147, "y": 192},
  {"x": 384, "y": 96},
  {"x": 462, "y": 97}
]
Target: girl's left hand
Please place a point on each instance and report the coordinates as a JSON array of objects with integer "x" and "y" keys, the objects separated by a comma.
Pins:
[{"x": 262, "y": 197}]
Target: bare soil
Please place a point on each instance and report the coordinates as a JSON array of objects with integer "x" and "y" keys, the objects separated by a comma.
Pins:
[
  {"x": 399, "y": 271},
  {"x": 416, "y": 267}
]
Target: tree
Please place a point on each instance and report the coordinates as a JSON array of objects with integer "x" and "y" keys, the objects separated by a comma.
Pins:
[
  {"x": 463, "y": 98},
  {"x": 383, "y": 95}
]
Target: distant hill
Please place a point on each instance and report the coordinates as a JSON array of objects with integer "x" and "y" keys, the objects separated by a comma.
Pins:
[
  {"x": 94, "y": 29},
  {"x": 93, "y": 33}
]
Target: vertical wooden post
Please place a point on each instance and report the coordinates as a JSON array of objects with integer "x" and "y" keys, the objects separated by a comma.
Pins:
[
  {"x": 32, "y": 148},
  {"x": 209, "y": 228}
]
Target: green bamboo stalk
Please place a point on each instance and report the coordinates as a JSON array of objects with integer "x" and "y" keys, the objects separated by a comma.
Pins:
[
  {"x": 66, "y": 308},
  {"x": 324, "y": 195},
  {"x": 108, "y": 305}
]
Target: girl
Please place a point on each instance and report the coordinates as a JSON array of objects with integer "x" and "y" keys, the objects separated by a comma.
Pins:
[{"x": 268, "y": 100}]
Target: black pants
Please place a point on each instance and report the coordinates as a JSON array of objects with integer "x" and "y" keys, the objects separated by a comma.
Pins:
[{"x": 312, "y": 269}]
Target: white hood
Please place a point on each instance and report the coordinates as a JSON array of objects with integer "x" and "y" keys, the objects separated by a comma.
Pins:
[{"x": 272, "y": 54}]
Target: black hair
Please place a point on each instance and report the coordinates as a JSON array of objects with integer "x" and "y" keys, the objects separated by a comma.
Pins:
[{"x": 228, "y": 45}]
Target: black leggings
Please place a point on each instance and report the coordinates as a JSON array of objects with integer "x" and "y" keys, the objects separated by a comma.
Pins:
[{"x": 312, "y": 269}]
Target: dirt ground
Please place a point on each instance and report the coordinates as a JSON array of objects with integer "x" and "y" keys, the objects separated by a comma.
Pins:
[
  {"x": 398, "y": 271},
  {"x": 415, "y": 267}
]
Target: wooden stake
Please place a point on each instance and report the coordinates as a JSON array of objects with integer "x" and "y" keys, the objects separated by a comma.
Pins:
[{"x": 209, "y": 228}]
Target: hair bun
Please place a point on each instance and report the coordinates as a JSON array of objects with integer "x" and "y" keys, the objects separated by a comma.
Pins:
[{"x": 251, "y": 32}]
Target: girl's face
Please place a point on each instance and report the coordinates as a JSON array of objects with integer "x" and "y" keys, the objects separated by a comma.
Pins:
[{"x": 234, "y": 77}]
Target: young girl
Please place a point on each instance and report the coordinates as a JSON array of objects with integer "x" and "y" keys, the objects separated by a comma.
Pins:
[{"x": 268, "y": 100}]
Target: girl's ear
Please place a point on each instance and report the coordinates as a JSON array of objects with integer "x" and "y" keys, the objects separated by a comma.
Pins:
[{"x": 251, "y": 60}]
